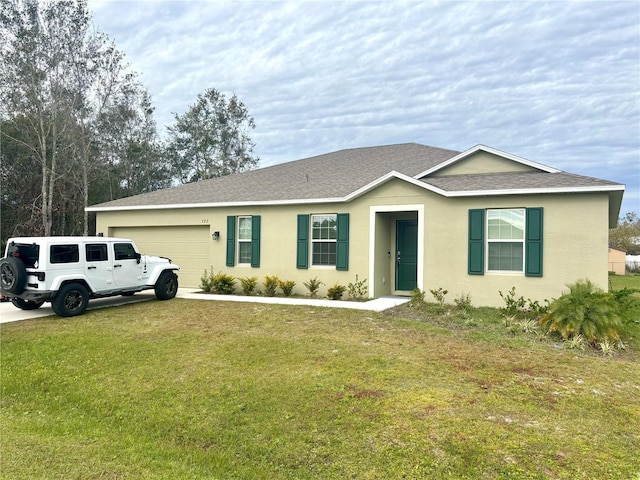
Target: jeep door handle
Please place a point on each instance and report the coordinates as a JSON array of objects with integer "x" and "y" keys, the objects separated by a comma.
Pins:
[
  {"x": 91, "y": 267},
  {"x": 117, "y": 265}
]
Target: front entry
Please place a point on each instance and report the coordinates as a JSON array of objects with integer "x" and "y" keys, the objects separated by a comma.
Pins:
[{"x": 406, "y": 255}]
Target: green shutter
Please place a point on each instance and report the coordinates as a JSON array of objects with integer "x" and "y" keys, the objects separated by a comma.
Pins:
[
  {"x": 476, "y": 242},
  {"x": 342, "y": 247},
  {"x": 255, "y": 241},
  {"x": 533, "y": 244},
  {"x": 231, "y": 241},
  {"x": 302, "y": 257}
]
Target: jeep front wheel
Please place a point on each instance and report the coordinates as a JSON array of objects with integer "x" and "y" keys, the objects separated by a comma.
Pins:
[
  {"x": 72, "y": 299},
  {"x": 26, "y": 304},
  {"x": 166, "y": 286},
  {"x": 13, "y": 275}
]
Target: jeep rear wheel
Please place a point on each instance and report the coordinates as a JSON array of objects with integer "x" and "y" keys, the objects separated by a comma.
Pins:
[
  {"x": 166, "y": 286},
  {"x": 13, "y": 275},
  {"x": 26, "y": 304},
  {"x": 72, "y": 299}
]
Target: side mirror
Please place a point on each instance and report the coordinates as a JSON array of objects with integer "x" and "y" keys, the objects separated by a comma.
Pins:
[{"x": 138, "y": 256}]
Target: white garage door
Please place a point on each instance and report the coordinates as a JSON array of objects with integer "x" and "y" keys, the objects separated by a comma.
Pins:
[{"x": 186, "y": 246}]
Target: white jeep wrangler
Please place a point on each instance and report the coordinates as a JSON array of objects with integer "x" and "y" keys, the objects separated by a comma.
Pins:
[{"x": 68, "y": 271}]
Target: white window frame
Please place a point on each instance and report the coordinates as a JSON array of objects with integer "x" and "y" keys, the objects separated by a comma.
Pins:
[
  {"x": 323, "y": 240},
  {"x": 505, "y": 240},
  {"x": 245, "y": 241}
]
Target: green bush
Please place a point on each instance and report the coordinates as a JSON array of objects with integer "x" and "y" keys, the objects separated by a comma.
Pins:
[
  {"x": 358, "y": 289},
  {"x": 336, "y": 292},
  {"x": 417, "y": 297},
  {"x": 248, "y": 285},
  {"x": 286, "y": 286},
  {"x": 439, "y": 295},
  {"x": 223, "y": 283},
  {"x": 585, "y": 310},
  {"x": 206, "y": 280},
  {"x": 519, "y": 306},
  {"x": 313, "y": 286},
  {"x": 270, "y": 285}
]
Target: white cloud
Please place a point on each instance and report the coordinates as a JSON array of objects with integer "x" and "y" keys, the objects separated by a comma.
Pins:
[{"x": 557, "y": 82}]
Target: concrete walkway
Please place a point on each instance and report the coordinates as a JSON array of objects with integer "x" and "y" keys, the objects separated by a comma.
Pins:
[
  {"x": 375, "y": 305},
  {"x": 9, "y": 313}
]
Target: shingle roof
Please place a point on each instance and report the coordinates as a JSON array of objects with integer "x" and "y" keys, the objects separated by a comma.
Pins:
[
  {"x": 514, "y": 181},
  {"x": 332, "y": 175},
  {"x": 338, "y": 174}
]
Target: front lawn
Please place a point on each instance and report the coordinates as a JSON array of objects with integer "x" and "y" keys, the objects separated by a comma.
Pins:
[{"x": 191, "y": 389}]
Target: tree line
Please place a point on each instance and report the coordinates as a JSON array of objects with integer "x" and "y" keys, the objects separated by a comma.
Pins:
[{"x": 77, "y": 126}]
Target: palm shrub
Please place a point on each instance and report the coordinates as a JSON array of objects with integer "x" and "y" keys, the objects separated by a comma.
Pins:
[
  {"x": 358, "y": 289},
  {"x": 585, "y": 310},
  {"x": 270, "y": 285},
  {"x": 206, "y": 280},
  {"x": 313, "y": 285}
]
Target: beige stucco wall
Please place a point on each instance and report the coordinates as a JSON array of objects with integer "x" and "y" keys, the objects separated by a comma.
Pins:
[
  {"x": 575, "y": 241},
  {"x": 483, "y": 162}
]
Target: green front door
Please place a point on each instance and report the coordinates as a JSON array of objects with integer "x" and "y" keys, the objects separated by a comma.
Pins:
[{"x": 406, "y": 254}]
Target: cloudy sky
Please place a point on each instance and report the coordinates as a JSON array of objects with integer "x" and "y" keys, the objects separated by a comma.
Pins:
[{"x": 555, "y": 82}]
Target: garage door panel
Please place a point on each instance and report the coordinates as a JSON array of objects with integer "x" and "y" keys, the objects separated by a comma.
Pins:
[{"x": 186, "y": 246}]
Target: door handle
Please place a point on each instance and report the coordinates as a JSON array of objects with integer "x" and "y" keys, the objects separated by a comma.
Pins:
[
  {"x": 398, "y": 258},
  {"x": 92, "y": 267},
  {"x": 117, "y": 265}
]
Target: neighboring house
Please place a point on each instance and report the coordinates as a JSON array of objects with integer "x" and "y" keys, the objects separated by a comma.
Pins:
[
  {"x": 400, "y": 216},
  {"x": 617, "y": 261}
]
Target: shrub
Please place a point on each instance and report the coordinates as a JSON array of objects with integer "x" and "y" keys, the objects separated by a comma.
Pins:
[
  {"x": 206, "y": 280},
  {"x": 286, "y": 286},
  {"x": 336, "y": 292},
  {"x": 463, "y": 302},
  {"x": 358, "y": 289},
  {"x": 417, "y": 297},
  {"x": 270, "y": 285},
  {"x": 585, "y": 310},
  {"x": 313, "y": 286},
  {"x": 518, "y": 305},
  {"x": 248, "y": 285},
  {"x": 439, "y": 295},
  {"x": 223, "y": 283}
]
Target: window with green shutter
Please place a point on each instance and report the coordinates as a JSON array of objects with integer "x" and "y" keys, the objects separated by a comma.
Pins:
[
  {"x": 243, "y": 240},
  {"x": 323, "y": 239},
  {"x": 510, "y": 239}
]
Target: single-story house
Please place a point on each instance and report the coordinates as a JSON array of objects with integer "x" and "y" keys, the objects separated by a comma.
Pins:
[
  {"x": 400, "y": 216},
  {"x": 617, "y": 261}
]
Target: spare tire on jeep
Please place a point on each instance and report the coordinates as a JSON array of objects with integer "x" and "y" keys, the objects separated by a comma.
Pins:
[{"x": 13, "y": 275}]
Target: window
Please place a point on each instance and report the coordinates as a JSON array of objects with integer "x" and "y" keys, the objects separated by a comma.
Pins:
[
  {"x": 244, "y": 240},
  {"x": 324, "y": 233},
  {"x": 328, "y": 235},
  {"x": 96, "y": 252},
  {"x": 505, "y": 240},
  {"x": 510, "y": 239},
  {"x": 64, "y": 254},
  {"x": 124, "y": 251}
]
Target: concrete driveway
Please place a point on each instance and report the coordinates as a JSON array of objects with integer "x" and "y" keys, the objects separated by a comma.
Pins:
[{"x": 9, "y": 313}]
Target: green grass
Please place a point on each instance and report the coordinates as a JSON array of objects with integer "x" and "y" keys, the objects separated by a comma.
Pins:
[
  {"x": 618, "y": 282},
  {"x": 192, "y": 389}
]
